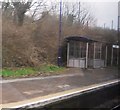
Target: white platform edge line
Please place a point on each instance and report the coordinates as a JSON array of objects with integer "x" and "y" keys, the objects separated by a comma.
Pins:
[
  {"x": 68, "y": 94},
  {"x": 37, "y": 78}
]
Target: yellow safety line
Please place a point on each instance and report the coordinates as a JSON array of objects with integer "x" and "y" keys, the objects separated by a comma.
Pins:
[{"x": 55, "y": 95}]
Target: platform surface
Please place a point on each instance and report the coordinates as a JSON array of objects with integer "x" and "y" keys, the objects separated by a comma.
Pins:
[{"x": 28, "y": 89}]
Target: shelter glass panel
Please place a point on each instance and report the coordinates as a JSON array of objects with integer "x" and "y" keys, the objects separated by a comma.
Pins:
[
  {"x": 82, "y": 50},
  {"x": 77, "y": 49},
  {"x": 71, "y": 49},
  {"x": 97, "y": 50},
  {"x": 91, "y": 50}
]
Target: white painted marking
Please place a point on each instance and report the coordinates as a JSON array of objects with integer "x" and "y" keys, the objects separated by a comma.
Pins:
[
  {"x": 40, "y": 78},
  {"x": 33, "y": 92},
  {"x": 63, "y": 86}
]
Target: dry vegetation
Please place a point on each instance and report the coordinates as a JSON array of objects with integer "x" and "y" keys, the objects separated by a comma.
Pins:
[
  {"x": 36, "y": 43},
  {"x": 28, "y": 45}
]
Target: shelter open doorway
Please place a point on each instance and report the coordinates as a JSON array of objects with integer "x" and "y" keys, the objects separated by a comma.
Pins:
[{"x": 114, "y": 55}]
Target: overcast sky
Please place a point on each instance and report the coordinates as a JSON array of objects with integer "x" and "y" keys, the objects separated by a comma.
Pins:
[
  {"x": 105, "y": 13},
  {"x": 103, "y": 10}
]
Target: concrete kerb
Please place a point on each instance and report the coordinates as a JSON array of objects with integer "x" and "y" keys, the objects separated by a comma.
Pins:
[{"x": 44, "y": 100}]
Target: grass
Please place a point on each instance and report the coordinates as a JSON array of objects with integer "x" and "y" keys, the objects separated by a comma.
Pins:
[
  {"x": 27, "y": 71},
  {"x": 49, "y": 68},
  {"x": 8, "y": 72}
]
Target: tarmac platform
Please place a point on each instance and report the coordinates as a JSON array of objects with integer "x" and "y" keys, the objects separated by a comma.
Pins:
[{"x": 16, "y": 92}]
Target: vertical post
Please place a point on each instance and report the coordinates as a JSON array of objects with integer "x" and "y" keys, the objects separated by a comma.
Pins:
[
  {"x": 94, "y": 54},
  {"x": 79, "y": 13},
  {"x": 118, "y": 55},
  {"x": 112, "y": 56},
  {"x": 74, "y": 53},
  {"x": 86, "y": 55},
  {"x": 79, "y": 54},
  {"x": 1, "y": 42},
  {"x": 101, "y": 51},
  {"x": 118, "y": 62},
  {"x": 112, "y": 25},
  {"x": 119, "y": 33},
  {"x": 106, "y": 56},
  {"x": 104, "y": 25},
  {"x": 68, "y": 50},
  {"x": 60, "y": 35}
]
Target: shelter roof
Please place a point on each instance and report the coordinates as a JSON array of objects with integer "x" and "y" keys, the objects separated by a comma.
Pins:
[{"x": 80, "y": 38}]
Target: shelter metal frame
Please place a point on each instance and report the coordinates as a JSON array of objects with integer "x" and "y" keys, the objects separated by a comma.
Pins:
[{"x": 83, "y": 52}]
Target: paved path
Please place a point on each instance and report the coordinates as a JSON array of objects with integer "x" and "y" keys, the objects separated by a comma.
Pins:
[{"x": 28, "y": 88}]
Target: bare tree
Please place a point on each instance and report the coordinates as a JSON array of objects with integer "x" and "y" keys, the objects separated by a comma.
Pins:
[
  {"x": 5, "y": 5},
  {"x": 38, "y": 6},
  {"x": 20, "y": 8},
  {"x": 7, "y": 9},
  {"x": 43, "y": 9},
  {"x": 71, "y": 12},
  {"x": 79, "y": 14}
]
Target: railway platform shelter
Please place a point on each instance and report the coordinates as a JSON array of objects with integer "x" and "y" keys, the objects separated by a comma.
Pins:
[{"x": 84, "y": 52}]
